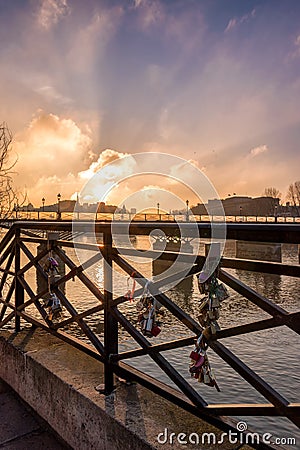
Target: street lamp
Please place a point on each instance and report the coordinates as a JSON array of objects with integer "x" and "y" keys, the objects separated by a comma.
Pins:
[
  {"x": 276, "y": 209},
  {"x": 58, "y": 207},
  {"x": 43, "y": 202},
  {"x": 187, "y": 210},
  {"x": 241, "y": 208}
]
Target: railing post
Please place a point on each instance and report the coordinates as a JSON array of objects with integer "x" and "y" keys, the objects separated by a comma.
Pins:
[
  {"x": 19, "y": 290},
  {"x": 110, "y": 323}
]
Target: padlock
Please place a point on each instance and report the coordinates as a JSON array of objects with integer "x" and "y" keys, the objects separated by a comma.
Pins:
[
  {"x": 56, "y": 307},
  {"x": 214, "y": 327},
  {"x": 206, "y": 377},
  {"x": 202, "y": 319},
  {"x": 48, "y": 302},
  {"x": 215, "y": 302},
  {"x": 139, "y": 306},
  {"x": 221, "y": 292},
  {"x": 194, "y": 355},
  {"x": 211, "y": 314},
  {"x": 155, "y": 330},
  {"x": 200, "y": 376},
  {"x": 203, "y": 304},
  {"x": 217, "y": 313}
]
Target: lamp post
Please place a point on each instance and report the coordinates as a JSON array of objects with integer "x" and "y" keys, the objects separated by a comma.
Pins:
[
  {"x": 43, "y": 202},
  {"x": 241, "y": 209},
  {"x": 276, "y": 209},
  {"x": 187, "y": 210},
  {"x": 58, "y": 207}
]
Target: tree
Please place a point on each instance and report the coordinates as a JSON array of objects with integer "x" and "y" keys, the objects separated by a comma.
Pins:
[
  {"x": 293, "y": 196},
  {"x": 272, "y": 192},
  {"x": 8, "y": 196},
  {"x": 271, "y": 202}
]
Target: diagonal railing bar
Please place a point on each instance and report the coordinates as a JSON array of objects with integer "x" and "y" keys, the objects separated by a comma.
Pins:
[
  {"x": 20, "y": 307},
  {"x": 261, "y": 301},
  {"x": 82, "y": 324},
  {"x": 162, "y": 362},
  {"x": 249, "y": 375},
  {"x": 36, "y": 302},
  {"x": 277, "y": 321},
  {"x": 34, "y": 234},
  {"x": 110, "y": 355},
  {"x": 258, "y": 383},
  {"x": 9, "y": 317},
  {"x": 165, "y": 391},
  {"x": 164, "y": 281},
  {"x": 72, "y": 340},
  {"x": 30, "y": 264},
  {"x": 162, "y": 298},
  {"x": 7, "y": 300},
  {"x": 7, "y": 252},
  {"x": 7, "y": 271},
  {"x": 25, "y": 304},
  {"x": 170, "y": 345},
  {"x": 69, "y": 276},
  {"x": 84, "y": 278},
  {"x": 82, "y": 315},
  {"x": 32, "y": 258},
  {"x": 7, "y": 237},
  {"x": 255, "y": 380},
  {"x": 85, "y": 328},
  {"x": 254, "y": 297}
]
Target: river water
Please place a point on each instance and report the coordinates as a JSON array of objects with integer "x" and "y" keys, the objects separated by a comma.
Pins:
[{"x": 273, "y": 354}]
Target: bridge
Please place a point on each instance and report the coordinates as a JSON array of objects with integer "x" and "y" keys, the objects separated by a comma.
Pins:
[
  {"x": 22, "y": 304},
  {"x": 151, "y": 217}
]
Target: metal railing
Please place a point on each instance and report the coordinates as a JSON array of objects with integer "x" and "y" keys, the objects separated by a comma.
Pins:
[
  {"x": 151, "y": 217},
  {"x": 21, "y": 235}
]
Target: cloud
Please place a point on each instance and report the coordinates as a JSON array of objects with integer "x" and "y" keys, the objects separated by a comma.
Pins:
[
  {"x": 150, "y": 13},
  {"x": 105, "y": 157},
  {"x": 50, "y": 94},
  {"x": 50, "y": 149},
  {"x": 231, "y": 24},
  {"x": 50, "y": 12},
  {"x": 238, "y": 21},
  {"x": 258, "y": 150}
]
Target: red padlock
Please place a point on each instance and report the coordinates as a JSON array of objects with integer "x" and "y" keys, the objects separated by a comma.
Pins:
[{"x": 155, "y": 330}]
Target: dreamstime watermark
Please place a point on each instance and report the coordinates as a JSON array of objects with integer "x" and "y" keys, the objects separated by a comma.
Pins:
[
  {"x": 241, "y": 436},
  {"x": 128, "y": 171}
]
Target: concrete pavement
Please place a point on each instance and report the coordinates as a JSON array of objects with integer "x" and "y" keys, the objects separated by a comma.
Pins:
[{"x": 20, "y": 428}]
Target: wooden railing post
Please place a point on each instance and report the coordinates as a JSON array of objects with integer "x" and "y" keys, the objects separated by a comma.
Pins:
[
  {"x": 19, "y": 290},
  {"x": 110, "y": 323}
]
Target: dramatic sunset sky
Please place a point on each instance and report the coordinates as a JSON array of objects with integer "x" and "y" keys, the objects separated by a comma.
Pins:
[{"x": 215, "y": 82}]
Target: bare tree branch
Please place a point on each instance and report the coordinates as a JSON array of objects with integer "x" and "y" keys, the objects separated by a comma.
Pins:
[{"x": 9, "y": 199}]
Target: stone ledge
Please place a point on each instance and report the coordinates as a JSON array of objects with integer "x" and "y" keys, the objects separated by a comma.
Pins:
[{"x": 58, "y": 382}]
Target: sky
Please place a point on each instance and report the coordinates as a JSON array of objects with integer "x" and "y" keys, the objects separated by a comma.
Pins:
[{"x": 214, "y": 82}]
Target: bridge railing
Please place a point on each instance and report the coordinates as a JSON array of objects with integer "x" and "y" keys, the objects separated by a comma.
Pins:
[
  {"x": 18, "y": 297},
  {"x": 150, "y": 217}
]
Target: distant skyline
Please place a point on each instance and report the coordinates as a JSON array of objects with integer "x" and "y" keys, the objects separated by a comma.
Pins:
[{"x": 216, "y": 83}]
